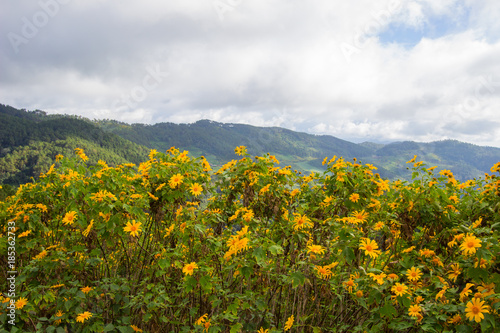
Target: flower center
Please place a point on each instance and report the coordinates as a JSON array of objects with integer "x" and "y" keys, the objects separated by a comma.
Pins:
[
  {"x": 475, "y": 310},
  {"x": 470, "y": 244},
  {"x": 369, "y": 248}
]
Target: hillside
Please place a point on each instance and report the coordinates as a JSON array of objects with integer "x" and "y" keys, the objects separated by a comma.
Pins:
[
  {"x": 305, "y": 152},
  {"x": 217, "y": 141},
  {"x": 30, "y": 140}
]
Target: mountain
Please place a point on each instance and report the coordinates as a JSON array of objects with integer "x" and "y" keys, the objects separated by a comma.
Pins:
[
  {"x": 305, "y": 152},
  {"x": 30, "y": 140},
  {"x": 216, "y": 141}
]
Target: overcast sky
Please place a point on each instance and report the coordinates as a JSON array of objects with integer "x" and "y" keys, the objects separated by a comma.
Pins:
[{"x": 360, "y": 70}]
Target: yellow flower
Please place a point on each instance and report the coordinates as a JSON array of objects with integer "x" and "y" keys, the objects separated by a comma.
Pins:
[
  {"x": 316, "y": 249},
  {"x": 101, "y": 195},
  {"x": 354, "y": 197},
  {"x": 24, "y": 234},
  {"x": 455, "y": 319},
  {"x": 370, "y": 247},
  {"x": 89, "y": 227},
  {"x": 301, "y": 221},
  {"x": 152, "y": 196},
  {"x": 69, "y": 217},
  {"x": 393, "y": 276},
  {"x": 21, "y": 302},
  {"x": 196, "y": 189},
  {"x": 289, "y": 323},
  {"x": 414, "y": 310},
  {"x": 360, "y": 216},
  {"x": 399, "y": 289},
  {"x": 454, "y": 272},
  {"x": 83, "y": 316},
  {"x": 41, "y": 255},
  {"x": 202, "y": 319},
  {"x": 264, "y": 189},
  {"x": 469, "y": 244},
  {"x": 379, "y": 278},
  {"x": 427, "y": 253},
  {"x": 241, "y": 150},
  {"x": 486, "y": 289},
  {"x": 413, "y": 274},
  {"x": 474, "y": 310},
  {"x": 189, "y": 268},
  {"x": 133, "y": 228},
  {"x": 262, "y": 330},
  {"x": 135, "y": 328},
  {"x": 465, "y": 293},
  {"x": 79, "y": 152},
  {"x": 175, "y": 180},
  {"x": 413, "y": 159},
  {"x": 323, "y": 271},
  {"x": 85, "y": 290},
  {"x": 350, "y": 284}
]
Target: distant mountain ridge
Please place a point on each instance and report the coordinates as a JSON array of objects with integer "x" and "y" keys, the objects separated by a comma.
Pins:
[{"x": 31, "y": 139}]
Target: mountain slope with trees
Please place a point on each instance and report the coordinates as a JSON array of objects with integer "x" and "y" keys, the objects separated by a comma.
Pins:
[{"x": 30, "y": 140}]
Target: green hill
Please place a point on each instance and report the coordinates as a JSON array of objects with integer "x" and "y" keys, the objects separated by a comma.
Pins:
[{"x": 30, "y": 140}]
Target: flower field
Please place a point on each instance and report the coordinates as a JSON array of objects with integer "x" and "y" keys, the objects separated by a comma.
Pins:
[{"x": 174, "y": 246}]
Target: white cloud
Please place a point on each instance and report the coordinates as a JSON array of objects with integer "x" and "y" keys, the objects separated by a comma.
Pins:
[{"x": 266, "y": 63}]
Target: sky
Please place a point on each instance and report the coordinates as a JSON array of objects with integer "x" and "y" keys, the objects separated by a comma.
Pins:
[{"x": 381, "y": 71}]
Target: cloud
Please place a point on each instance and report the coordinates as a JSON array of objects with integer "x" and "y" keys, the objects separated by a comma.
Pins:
[{"x": 339, "y": 68}]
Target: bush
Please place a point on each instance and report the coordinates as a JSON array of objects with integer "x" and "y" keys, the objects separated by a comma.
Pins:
[{"x": 171, "y": 246}]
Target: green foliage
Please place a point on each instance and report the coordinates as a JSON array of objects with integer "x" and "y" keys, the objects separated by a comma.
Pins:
[
  {"x": 30, "y": 142},
  {"x": 171, "y": 245}
]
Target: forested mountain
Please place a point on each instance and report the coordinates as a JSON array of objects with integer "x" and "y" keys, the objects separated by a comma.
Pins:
[
  {"x": 216, "y": 141},
  {"x": 30, "y": 140}
]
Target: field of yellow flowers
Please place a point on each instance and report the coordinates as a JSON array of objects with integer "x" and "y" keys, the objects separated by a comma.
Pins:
[{"x": 174, "y": 246}]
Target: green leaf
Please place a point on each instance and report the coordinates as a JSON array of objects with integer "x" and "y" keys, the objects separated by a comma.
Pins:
[
  {"x": 258, "y": 253},
  {"x": 190, "y": 283},
  {"x": 464, "y": 329},
  {"x": 477, "y": 274},
  {"x": 388, "y": 310},
  {"x": 164, "y": 263},
  {"x": 348, "y": 254},
  {"x": 246, "y": 271},
  {"x": 298, "y": 279},
  {"x": 405, "y": 301},
  {"x": 275, "y": 249},
  {"x": 205, "y": 282},
  {"x": 236, "y": 328},
  {"x": 108, "y": 328}
]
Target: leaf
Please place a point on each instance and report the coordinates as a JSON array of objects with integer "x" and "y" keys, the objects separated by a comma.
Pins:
[
  {"x": 246, "y": 271},
  {"x": 275, "y": 249},
  {"x": 477, "y": 274},
  {"x": 205, "y": 282},
  {"x": 349, "y": 254},
  {"x": 164, "y": 263},
  {"x": 108, "y": 328},
  {"x": 236, "y": 328},
  {"x": 388, "y": 310},
  {"x": 298, "y": 279},
  {"x": 464, "y": 329},
  {"x": 258, "y": 253},
  {"x": 190, "y": 283}
]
